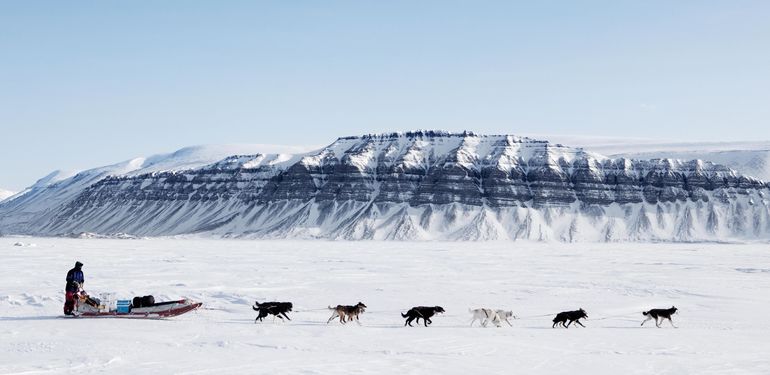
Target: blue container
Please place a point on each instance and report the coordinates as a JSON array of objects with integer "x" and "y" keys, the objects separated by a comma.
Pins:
[{"x": 123, "y": 306}]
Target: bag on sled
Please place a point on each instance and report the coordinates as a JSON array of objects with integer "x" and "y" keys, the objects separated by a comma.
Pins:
[{"x": 146, "y": 301}]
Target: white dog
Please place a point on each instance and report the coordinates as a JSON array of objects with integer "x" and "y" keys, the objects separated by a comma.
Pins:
[
  {"x": 484, "y": 316},
  {"x": 497, "y": 317},
  {"x": 503, "y": 315}
]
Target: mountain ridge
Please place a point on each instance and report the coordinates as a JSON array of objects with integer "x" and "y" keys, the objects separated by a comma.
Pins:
[{"x": 419, "y": 185}]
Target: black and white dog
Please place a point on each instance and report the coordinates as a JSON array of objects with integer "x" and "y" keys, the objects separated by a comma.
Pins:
[
  {"x": 659, "y": 314},
  {"x": 277, "y": 309},
  {"x": 571, "y": 316},
  {"x": 424, "y": 312}
]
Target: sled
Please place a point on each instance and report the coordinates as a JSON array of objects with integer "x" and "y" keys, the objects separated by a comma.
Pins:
[{"x": 159, "y": 310}]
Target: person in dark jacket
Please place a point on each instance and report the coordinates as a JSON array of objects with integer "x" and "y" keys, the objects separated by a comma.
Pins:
[{"x": 75, "y": 280}]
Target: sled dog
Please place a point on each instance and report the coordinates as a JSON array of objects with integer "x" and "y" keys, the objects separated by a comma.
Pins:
[
  {"x": 277, "y": 309},
  {"x": 503, "y": 316},
  {"x": 424, "y": 312},
  {"x": 660, "y": 314},
  {"x": 347, "y": 313},
  {"x": 572, "y": 316},
  {"x": 484, "y": 316}
]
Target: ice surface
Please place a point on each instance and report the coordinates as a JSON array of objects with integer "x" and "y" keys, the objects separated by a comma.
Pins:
[{"x": 720, "y": 289}]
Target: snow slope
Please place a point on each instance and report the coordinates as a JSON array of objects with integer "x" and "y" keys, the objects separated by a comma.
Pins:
[
  {"x": 5, "y": 194},
  {"x": 63, "y": 186},
  {"x": 721, "y": 291},
  {"x": 751, "y": 158}
]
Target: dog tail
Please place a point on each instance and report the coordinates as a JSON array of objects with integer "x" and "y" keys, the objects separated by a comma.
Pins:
[
  {"x": 403, "y": 315},
  {"x": 256, "y": 308},
  {"x": 645, "y": 313}
]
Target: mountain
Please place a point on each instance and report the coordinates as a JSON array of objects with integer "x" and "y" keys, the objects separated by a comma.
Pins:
[
  {"x": 420, "y": 185},
  {"x": 5, "y": 194}
]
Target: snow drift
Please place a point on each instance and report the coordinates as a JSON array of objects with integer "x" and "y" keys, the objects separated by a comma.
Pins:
[{"x": 405, "y": 186}]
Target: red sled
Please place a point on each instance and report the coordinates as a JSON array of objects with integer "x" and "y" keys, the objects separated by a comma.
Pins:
[{"x": 156, "y": 311}]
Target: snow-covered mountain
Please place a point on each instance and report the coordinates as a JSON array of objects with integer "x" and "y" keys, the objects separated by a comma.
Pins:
[
  {"x": 415, "y": 185},
  {"x": 5, "y": 194}
]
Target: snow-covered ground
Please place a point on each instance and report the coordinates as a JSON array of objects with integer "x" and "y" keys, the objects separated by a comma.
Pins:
[{"x": 720, "y": 289}]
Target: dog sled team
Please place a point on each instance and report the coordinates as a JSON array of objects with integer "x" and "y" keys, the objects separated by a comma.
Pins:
[
  {"x": 78, "y": 303},
  {"x": 485, "y": 316}
]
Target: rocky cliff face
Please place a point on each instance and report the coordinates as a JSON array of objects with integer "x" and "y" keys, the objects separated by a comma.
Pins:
[{"x": 421, "y": 185}]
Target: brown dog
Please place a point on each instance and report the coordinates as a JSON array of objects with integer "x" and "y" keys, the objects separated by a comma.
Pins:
[{"x": 347, "y": 313}]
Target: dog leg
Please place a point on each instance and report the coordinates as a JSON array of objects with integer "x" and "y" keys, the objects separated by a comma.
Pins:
[
  {"x": 497, "y": 320},
  {"x": 261, "y": 316},
  {"x": 334, "y": 315},
  {"x": 672, "y": 323},
  {"x": 286, "y": 316},
  {"x": 581, "y": 324},
  {"x": 646, "y": 320},
  {"x": 509, "y": 323},
  {"x": 657, "y": 323}
]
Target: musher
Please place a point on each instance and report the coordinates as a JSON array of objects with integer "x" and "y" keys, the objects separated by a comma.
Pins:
[{"x": 75, "y": 281}]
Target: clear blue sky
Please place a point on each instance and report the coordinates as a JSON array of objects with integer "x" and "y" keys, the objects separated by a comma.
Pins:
[{"x": 84, "y": 84}]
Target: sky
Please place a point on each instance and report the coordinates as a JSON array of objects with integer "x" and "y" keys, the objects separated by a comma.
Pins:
[{"x": 90, "y": 83}]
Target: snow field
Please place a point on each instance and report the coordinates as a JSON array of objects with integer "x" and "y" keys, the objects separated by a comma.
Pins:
[{"x": 720, "y": 289}]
